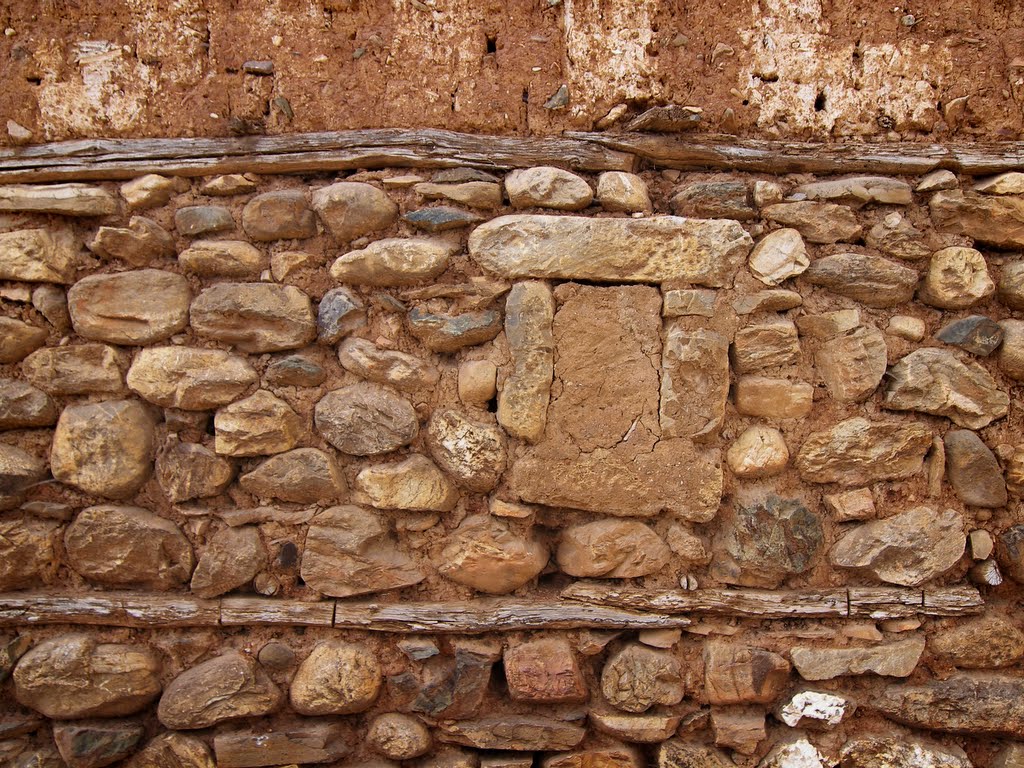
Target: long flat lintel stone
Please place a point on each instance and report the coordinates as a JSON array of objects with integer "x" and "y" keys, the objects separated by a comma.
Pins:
[{"x": 620, "y": 250}]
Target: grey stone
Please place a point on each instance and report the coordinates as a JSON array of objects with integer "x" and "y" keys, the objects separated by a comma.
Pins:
[
  {"x": 295, "y": 371},
  {"x": 97, "y": 744},
  {"x": 618, "y": 250},
  {"x": 976, "y": 334},
  {"x": 340, "y": 312},
  {"x": 450, "y": 333},
  {"x": 197, "y": 220},
  {"x": 767, "y": 541},
  {"x": 441, "y": 218},
  {"x": 973, "y": 471}
]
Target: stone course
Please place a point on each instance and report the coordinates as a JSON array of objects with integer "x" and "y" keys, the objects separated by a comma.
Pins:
[{"x": 475, "y": 389}]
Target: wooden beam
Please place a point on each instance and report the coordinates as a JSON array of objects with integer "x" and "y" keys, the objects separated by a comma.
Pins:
[
  {"x": 583, "y": 604},
  {"x": 720, "y": 152},
  {"x": 495, "y": 615},
  {"x": 108, "y": 159},
  {"x": 243, "y": 611},
  {"x": 111, "y": 609},
  {"x": 102, "y": 159},
  {"x": 871, "y": 602}
]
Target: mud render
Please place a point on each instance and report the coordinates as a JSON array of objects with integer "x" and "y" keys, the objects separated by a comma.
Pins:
[{"x": 454, "y": 450}]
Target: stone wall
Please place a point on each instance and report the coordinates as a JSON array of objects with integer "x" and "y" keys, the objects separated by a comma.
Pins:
[{"x": 245, "y": 417}]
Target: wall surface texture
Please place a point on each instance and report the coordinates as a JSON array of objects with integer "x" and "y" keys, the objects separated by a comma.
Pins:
[
  {"x": 789, "y": 68},
  {"x": 462, "y": 469}
]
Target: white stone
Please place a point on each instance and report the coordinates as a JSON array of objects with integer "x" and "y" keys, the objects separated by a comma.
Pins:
[
  {"x": 827, "y": 708},
  {"x": 778, "y": 256}
]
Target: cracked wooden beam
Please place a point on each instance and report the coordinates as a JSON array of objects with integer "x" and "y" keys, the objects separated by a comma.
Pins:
[
  {"x": 111, "y": 159},
  {"x": 106, "y": 159},
  {"x": 468, "y": 617},
  {"x": 842, "y": 602}
]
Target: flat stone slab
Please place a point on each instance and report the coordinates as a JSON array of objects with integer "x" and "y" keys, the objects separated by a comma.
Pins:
[{"x": 652, "y": 250}]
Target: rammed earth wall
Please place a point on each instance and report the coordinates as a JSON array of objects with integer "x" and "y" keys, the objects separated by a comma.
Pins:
[{"x": 500, "y": 467}]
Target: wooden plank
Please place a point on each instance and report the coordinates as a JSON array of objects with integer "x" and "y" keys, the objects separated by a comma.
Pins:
[
  {"x": 101, "y": 159},
  {"x": 112, "y": 609},
  {"x": 756, "y": 603},
  {"x": 235, "y": 611},
  {"x": 952, "y": 601},
  {"x": 494, "y": 615},
  {"x": 867, "y": 602},
  {"x": 885, "y": 602},
  {"x": 721, "y": 152}
]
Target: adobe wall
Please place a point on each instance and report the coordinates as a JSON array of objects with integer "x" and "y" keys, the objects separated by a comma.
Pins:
[{"x": 911, "y": 70}]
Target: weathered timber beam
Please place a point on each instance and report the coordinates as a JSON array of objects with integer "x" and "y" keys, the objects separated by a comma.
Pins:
[
  {"x": 719, "y": 152},
  {"x": 873, "y": 602},
  {"x": 242, "y": 611},
  {"x": 118, "y": 609},
  {"x": 494, "y": 615},
  {"x": 101, "y": 159}
]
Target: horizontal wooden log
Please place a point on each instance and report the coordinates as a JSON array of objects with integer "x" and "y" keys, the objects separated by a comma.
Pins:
[
  {"x": 242, "y": 611},
  {"x": 112, "y": 609},
  {"x": 107, "y": 159},
  {"x": 868, "y": 602},
  {"x": 495, "y": 615},
  {"x": 719, "y": 152},
  {"x": 582, "y": 605},
  {"x": 101, "y": 159},
  {"x": 756, "y": 603}
]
